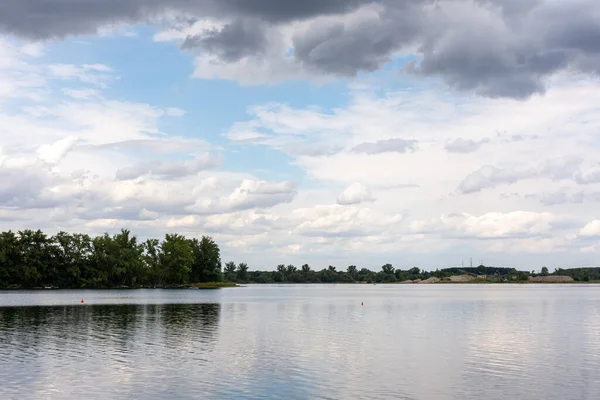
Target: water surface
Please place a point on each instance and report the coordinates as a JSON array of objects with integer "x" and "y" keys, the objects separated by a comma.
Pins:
[{"x": 303, "y": 341}]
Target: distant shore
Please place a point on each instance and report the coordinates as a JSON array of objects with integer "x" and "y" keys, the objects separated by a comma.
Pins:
[
  {"x": 458, "y": 279},
  {"x": 452, "y": 280}
]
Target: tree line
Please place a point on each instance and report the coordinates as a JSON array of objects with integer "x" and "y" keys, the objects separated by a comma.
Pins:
[
  {"x": 388, "y": 274},
  {"x": 33, "y": 259},
  {"x": 305, "y": 274}
]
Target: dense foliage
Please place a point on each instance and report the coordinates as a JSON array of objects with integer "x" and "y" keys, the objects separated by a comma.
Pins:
[{"x": 34, "y": 259}]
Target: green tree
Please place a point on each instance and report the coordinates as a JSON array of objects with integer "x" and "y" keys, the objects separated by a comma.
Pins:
[
  {"x": 414, "y": 273},
  {"x": 115, "y": 260},
  {"x": 242, "y": 272},
  {"x": 230, "y": 271},
  {"x": 306, "y": 270},
  {"x": 176, "y": 258},
  {"x": 388, "y": 269},
  {"x": 290, "y": 270},
  {"x": 400, "y": 275},
  {"x": 280, "y": 275},
  {"x": 387, "y": 273},
  {"x": 264, "y": 277},
  {"x": 366, "y": 275},
  {"x": 10, "y": 259},
  {"x": 352, "y": 271},
  {"x": 129, "y": 263},
  {"x": 71, "y": 259},
  {"x": 544, "y": 271},
  {"x": 207, "y": 260},
  {"x": 152, "y": 262},
  {"x": 35, "y": 253}
]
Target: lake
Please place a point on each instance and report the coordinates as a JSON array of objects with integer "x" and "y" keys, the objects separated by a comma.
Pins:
[{"x": 303, "y": 341}]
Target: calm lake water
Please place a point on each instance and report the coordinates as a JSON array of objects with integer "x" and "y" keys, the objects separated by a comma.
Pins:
[{"x": 300, "y": 342}]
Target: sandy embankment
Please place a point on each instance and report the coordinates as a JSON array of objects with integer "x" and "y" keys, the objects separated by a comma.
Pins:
[
  {"x": 461, "y": 278},
  {"x": 550, "y": 279},
  {"x": 433, "y": 279}
]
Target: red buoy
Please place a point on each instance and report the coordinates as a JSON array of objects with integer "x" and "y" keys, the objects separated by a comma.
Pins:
[{"x": 81, "y": 301}]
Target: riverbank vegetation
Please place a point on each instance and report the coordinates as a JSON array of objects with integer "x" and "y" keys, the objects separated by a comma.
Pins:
[{"x": 32, "y": 259}]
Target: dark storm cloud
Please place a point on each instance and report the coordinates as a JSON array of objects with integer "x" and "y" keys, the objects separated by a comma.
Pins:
[
  {"x": 333, "y": 49},
  {"x": 495, "y": 48},
  {"x": 514, "y": 52},
  {"x": 234, "y": 41},
  {"x": 573, "y": 29},
  {"x": 511, "y": 7},
  {"x": 363, "y": 44},
  {"x": 286, "y": 10},
  {"x": 56, "y": 18}
]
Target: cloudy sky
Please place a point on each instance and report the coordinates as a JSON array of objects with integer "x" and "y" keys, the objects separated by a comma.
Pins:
[{"x": 416, "y": 132}]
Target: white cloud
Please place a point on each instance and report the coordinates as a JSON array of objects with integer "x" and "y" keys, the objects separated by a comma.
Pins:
[
  {"x": 54, "y": 153},
  {"x": 249, "y": 222},
  {"x": 461, "y": 145},
  {"x": 566, "y": 168},
  {"x": 592, "y": 229},
  {"x": 82, "y": 94},
  {"x": 490, "y": 150},
  {"x": 19, "y": 78},
  {"x": 174, "y": 112},
  {"x": 184, "y": 222},
  {"x": 395, "y": 145},
  {"x": 250, "y": 194},
  {"x": 169, "y": 170},
  {"x": 94, "y": 122},
  {"x": 498, "y": 225},
  {"x": 32, "y": 49},
  {"x": 355, "y": 194},
  {"x": 95, "y": 74},
  {"x": 589, "y": 249},
  {"x": 342, "y": 221}
]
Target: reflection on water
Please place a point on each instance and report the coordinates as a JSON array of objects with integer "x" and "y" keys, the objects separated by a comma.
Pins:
[
  {"x": 296, "y": 342},
  {"x": 103, "y": 351}
]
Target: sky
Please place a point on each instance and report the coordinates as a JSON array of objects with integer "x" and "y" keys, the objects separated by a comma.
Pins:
[{"x": 414, "y": 132}]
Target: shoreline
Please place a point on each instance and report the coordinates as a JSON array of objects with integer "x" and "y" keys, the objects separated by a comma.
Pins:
[{"x": 224, "y": 285}]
